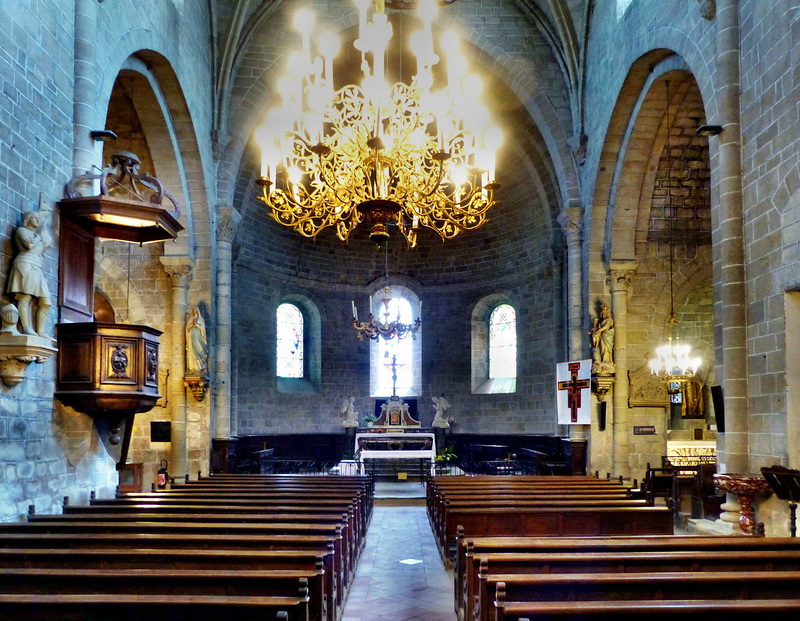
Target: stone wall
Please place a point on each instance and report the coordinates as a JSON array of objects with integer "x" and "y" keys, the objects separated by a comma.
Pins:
[{"x": 48, "y": 451}]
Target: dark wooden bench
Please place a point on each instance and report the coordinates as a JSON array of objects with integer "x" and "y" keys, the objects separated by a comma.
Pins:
[
  {"x": 114, "y": 541},
  {"x": 664, "y": 575},
  {"x": 210, "y": 515},
  {"x": 556, "y": 521},
  {"x": 321, "y": 588},
  {"x": 548, "y": 554},
  {"x": 449, "y": 514},
  {"x": 114, "y": 607},
  {"x": 360, "y": 498},
  {"x": 684, "y": 610}
]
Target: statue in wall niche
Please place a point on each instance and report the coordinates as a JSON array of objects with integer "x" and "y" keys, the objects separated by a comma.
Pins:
[
  {"x": 603, "y": 338},
  {"x": 196, "y": 343},
  {"x": 350, "y": 414},
  {"x": 441, "y": 405},
  {"x": 26, "y": 279}
]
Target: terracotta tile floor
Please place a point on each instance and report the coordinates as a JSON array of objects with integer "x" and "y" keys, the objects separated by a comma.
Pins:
[{"x": 385, "y": 588}]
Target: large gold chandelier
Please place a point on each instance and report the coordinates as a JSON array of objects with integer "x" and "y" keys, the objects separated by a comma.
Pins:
[{"x": 404, "y": 154}]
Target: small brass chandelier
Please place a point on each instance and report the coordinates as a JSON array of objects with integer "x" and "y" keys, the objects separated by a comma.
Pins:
[
  {"x": 404, "y": 155},
  {"x": 673, "y": 362},
  {"x": 374, "y": 329}
]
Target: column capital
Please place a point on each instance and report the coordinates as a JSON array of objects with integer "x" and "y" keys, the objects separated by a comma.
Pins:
[
  {"x": 179, "y": 269},
  {"x": 572, "y": 224},
  {"x": 228, "y": 219},
  {"x": 620, "y": 274}
]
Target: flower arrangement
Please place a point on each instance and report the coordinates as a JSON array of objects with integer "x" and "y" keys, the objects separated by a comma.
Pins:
[{"x": 447, "y": 454}]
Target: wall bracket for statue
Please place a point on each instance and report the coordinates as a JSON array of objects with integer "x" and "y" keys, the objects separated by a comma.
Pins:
[
  {"x": 198, "y": 384},
  {"x": 602, "y": 380},
  {"x": 18, "y": 351}
]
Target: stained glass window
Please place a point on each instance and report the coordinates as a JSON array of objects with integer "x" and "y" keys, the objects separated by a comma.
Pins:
[
  {"x": 503, "y": 342},
  {"x": 402, "y": 351},
  {"x": 290, "y": 341}
]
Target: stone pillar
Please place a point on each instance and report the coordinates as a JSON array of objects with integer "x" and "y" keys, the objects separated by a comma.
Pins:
[
  {"x": 570, "y": 221},
  {"x": 179, "y": 269},
  {"x": 729, "y": 246},
  {"x": 227, "y": 221},
  {"x": 620, "y": 273},
  {"x": 85, "y": 117}
]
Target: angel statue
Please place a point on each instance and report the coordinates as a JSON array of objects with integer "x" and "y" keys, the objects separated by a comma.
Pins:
[
  {"x": 350, "y": 415},
  {"x": 441, "y": 405}
]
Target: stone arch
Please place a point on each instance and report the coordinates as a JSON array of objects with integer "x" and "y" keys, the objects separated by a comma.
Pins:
[
  {"x": 646, "y": 51},
  {"x": 146, "y": 53}
]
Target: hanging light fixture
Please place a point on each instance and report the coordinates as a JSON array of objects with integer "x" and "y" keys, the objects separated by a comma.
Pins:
[
  {"x": 410, "y": 155},
  {"x": 673, "y": 362},
  {"x": 374, "y": 329}
]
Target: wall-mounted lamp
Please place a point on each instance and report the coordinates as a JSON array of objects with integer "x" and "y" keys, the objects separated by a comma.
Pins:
[
  {"x": 708, "y": 130},
  {"x": 103, "y": 135}
]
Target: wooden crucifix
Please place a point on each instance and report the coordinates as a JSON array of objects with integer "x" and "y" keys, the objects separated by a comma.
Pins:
[{"x": 574, "y": 387}]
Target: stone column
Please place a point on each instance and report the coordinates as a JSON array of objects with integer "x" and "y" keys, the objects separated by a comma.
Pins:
[
  {"x": 570, "y": 221},
  {"x": 227, "y": 221},
  {"x": 179, "y": 269},
  {"x": 729, "y": 246},
  {"x": 85, "y": 117},
  {"x": 620, "y": 273}
]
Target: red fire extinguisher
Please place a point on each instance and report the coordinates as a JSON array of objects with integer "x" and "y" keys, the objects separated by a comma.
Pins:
[{"x": 162, "y": 475}]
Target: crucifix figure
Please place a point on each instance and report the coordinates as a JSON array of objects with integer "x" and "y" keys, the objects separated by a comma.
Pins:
[
  {"x": 573, "y": 388},
  {"x": 393, "y": 366}
]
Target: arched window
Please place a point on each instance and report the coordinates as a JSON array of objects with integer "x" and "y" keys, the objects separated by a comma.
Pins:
[
  {"x": 290, "y": 341},
  {"x": 494, "y": 346},
  {"x": 405, "y": 353},
  {"x": 503, "y": 342},
  {"x": 400, "y": 352}
]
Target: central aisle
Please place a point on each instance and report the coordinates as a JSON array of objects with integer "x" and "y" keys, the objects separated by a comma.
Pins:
[{"x": 386, "y": 588}]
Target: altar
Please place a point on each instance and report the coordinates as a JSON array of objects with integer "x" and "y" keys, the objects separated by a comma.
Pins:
[{"x": 394, "y": 445}]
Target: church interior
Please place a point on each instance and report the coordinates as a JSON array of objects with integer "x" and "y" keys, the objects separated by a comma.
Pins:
[{"x": 528, "y": 237}]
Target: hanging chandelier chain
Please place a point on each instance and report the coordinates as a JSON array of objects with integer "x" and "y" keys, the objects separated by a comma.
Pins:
[
  {"x": 671, "y": 216},
  {"x": 672, "y": 362}
]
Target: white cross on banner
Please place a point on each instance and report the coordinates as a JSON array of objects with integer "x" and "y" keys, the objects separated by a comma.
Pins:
[{"x": 573, "y": 392}]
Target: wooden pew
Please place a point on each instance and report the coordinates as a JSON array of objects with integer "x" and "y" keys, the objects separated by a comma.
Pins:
[
  {"x": 331, "y": 501},
  {"x": 480, "y": 506},
  {"x": 321, "y": 588},
  {"x": 450, "y": 513},
  {"x": 683, "y": 610},
  {"x": 556, "y": 521},
  {"x": 114, "y": 541},
  {"x": 640, "y": 578},
  {"x": 360, "y": 500},
  {"x": 232, "y": 508},
  {"x": 180, "y": 531},
  {"x": 591, "y": 554},
  {"x": 114, "y": 607},
  {"x": 214, "y": 515}
]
